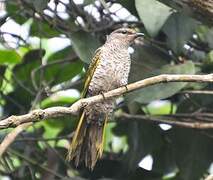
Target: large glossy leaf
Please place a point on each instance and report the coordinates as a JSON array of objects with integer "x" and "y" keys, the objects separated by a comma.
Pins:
[
  {"x": 179, "y": 28},
  {"x": 161, "y": 91},
  {"x": 153, "y": 14},
  {"x": 9, "y": 57},
  {"x": 84, "y": 44}
]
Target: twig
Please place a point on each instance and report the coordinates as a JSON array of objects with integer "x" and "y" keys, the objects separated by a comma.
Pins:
[
  {"x": 209, "y": 92},
  {"x": 26, "y": 120},
  {"x": 193, "y": 125},
  {"x": 11, "y": 137},
  {"x": 61, "y": 61},
  {"x": 31, "y": 161},
  {"x": 69, "y": 136}
]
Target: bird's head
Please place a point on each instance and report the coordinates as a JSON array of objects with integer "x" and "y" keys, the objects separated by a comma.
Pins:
[{"x": 124, "y": 35}]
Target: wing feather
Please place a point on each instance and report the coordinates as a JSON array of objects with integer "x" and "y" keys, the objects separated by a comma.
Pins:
[{"x": 93, "y": 65}]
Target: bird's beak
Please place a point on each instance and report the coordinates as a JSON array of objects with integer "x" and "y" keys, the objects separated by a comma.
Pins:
[{"x": 139, "y": 35}]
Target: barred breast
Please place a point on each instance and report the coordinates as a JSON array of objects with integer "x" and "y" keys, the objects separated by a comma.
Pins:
[{"x": 111, "y": 73}]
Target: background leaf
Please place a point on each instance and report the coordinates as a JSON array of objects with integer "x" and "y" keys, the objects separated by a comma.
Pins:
[
  {"x": 153, "y": 20},
  {"x": 85, "y": 45},
  {"x": 9, "y": 57},
  {"x": 179, "y": 28},
  {"x": 161, "y": 91}
]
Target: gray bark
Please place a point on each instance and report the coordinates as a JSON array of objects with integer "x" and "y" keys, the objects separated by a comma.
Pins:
[{"x": 199, "y": 9}]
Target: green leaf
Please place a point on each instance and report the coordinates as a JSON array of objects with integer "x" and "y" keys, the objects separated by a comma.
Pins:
[
  {"x": 177, "y": 31},
  {"x": 165, "y": 107},
  {"x": 207, "y": 66},
  {"x": 84, "y": 44},
  {"x": 129, "y": 5},
  {"x": 114, "y": 143},
  {"x": 40, "y": 5},
  {"x": 9, "y": 57},
  {"x": 2, "y": 71},
  {"x": 86, "y": 2},
  {"x": 63, "y": 66},
  {"x": 65, "y": 53},
  {"x": 17, "y": 12},
  {"x": 205, "y": 34},
  {"x": 42, "y": 29},
  {"x": 144, "y": 60},
  {"x": 57, "y": 100},
  {"x": 31, "y": 61},
  {"x": 23, "y": 93},
  {"x": 161, "y": 91},
  {"x": 153, "y": 14}
]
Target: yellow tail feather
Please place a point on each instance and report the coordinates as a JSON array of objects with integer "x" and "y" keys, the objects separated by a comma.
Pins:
[
  {"x": 74, "y": 140},
  {"x": 88, "y": 142}
]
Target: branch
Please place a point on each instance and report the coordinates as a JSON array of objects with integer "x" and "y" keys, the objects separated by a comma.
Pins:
[
  {"x": 200, "y": 9},
  {"x": 166, "y": 120},
  {"x": 23, "y": 121},
  {"x": 210, "y": 177},
  {"x": 11, "y": 136},
  {"x": 39, "y": 114}
]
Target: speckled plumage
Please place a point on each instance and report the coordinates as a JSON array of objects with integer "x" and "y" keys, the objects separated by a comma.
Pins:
[
  {"x": 112, "y": 72},
  {"x": 109, "y": 69}
]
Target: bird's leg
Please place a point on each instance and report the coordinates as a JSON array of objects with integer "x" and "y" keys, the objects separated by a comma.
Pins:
[
  {"x": 102, "y": 93},
  {"x": 125, "y": 87},
  {"x": 123, "y": 83}
]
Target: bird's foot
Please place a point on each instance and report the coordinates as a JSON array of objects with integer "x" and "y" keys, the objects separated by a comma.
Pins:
[
  {"x": 102, "y": 93},
  {"x": 125, "y": 88}
]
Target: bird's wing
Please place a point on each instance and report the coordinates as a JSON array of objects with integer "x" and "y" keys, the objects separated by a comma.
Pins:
[{"x": 93, "y": 65}]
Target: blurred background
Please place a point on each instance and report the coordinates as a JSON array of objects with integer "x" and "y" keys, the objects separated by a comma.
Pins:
[{"x": 45, "y": 49}]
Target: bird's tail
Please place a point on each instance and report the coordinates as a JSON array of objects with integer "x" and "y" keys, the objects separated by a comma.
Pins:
[{"x": 88, "y": 141}]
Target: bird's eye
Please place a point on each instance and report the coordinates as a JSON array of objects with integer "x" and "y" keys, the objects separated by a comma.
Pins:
[{"x": 124, "y": 32}]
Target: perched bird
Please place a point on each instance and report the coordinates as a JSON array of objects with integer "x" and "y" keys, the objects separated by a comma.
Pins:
[{"x": 109, "y": 69}]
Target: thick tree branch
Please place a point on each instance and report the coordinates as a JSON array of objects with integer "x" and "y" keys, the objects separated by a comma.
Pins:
[
  {"x": 200, "y": 9},
  {"x": 24, "y": 121},
  {"x": 38, "y": 115}
]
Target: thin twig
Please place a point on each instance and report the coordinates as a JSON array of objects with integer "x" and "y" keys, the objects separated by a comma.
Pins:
[
  {"x": 193, "y": 125},
  {"x": 31, "y": 161},
  {"x": 208, "y": 92},
  {"x": 69, "y": 136},
  {"x": 11, "y": 137}
]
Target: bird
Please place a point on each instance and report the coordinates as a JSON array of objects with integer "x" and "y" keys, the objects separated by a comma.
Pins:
[{"x": 108, "y": 70}]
